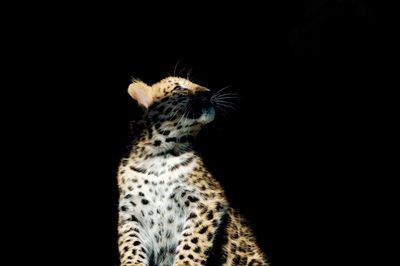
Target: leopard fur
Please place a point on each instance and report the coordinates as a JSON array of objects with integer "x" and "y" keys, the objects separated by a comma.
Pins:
[{"x": 171, "y": 209}]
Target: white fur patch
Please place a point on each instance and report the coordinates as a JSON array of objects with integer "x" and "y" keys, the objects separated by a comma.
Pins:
[{"x": 163, "y": 217}]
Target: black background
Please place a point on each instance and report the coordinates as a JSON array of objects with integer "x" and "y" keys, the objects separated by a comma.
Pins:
[{"x": 289, "y": 156}]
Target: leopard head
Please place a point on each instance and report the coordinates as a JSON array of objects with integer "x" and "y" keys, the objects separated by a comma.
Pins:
[{"x": 175, "y": 108}]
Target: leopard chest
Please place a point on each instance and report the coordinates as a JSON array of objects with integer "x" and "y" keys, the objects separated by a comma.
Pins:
[{"x": 153, "y": 194}]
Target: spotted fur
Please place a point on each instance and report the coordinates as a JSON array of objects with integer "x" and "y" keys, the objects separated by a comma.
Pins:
[{"x": 172, "y": 212}]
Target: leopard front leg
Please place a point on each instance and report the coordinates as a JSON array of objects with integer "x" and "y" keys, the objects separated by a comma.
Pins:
[
  {"x": 131, "y": 249},
  {"x": 198, "y": 234}
]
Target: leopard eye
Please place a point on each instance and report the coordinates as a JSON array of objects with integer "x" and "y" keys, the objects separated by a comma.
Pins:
[{"x": 179, "y": 88}]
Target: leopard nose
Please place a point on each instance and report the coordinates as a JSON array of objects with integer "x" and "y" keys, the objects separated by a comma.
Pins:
[
  {"x": 203, "y": 95},
  {"x": 201, "y": 99}
]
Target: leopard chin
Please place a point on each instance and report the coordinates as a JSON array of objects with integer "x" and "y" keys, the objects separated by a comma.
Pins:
[{"x": 207, "y": 115}]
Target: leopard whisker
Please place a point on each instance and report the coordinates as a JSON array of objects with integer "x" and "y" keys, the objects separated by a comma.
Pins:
[
  {"x": 176, "y": 65},
  {"x": 221, "y": 90},
  {"x": 188, "y": 73},
  {"x": 228, "y": 97},
  {"x": 222, "y": 109},
  {"x": 183, "y": 115},
  {"x": 225, "y": 101},
  {"x": 176, "y": 110},
  {"x": 228, "y": 93},
  {"x": 227, "y": 106}
]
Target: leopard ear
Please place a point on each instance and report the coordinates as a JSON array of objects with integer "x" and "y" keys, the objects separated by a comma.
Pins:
[{"x": 141, "y": 92}]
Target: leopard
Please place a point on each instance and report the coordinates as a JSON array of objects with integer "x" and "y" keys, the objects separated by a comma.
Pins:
[{"x": 171, "y": 209}]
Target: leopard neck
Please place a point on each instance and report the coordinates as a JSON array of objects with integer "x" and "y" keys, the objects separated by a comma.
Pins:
[{"x": 149, "y": 141}]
